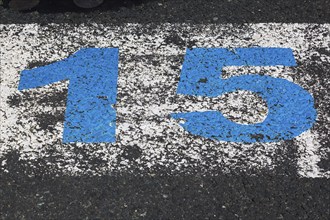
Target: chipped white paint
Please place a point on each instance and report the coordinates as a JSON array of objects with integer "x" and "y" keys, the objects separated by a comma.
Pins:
[
  {"x": 148, "y": 76},
  {"x": 310, "y": 155}
]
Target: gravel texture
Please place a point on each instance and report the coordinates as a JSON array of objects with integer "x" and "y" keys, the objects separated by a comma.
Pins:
[{"x": 35, "y": 185}]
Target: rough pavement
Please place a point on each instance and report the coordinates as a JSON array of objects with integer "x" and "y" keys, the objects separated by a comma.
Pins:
[{"x": 34, "y": 189}]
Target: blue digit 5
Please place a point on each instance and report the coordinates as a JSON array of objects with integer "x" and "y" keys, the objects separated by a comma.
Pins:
[
  {"x": 290, "y": 108},
  {"x": 92, "y": 75}
]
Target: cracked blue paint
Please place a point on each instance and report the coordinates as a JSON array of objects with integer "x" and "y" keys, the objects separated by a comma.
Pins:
[
  {"x": 92, "y": 75},
  {"x": 290, "y": 108}
]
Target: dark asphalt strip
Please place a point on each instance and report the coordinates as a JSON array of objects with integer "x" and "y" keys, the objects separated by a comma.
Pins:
[
  {"x": 179, "y": 11},
  {"x": 32, "y": 190},
  {"x": 32, "y": 194}
]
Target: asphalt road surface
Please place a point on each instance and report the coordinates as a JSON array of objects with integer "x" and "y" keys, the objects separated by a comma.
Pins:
[{"x": 152, "y": 164}]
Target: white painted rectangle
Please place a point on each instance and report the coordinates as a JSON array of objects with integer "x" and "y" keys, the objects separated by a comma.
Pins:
[{"x": 150, "y": 60}]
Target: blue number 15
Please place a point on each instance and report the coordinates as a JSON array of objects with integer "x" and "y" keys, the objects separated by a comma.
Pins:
[{"x": 92, "y": 74}]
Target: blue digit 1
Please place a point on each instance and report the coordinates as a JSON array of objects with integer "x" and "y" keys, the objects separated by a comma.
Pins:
[
  {"x": 290, "y": 108},
  {"x": 92, "y": 75}
]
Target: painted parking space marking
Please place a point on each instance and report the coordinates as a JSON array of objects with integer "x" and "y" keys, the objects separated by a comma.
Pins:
[
  {"x": 151, "y": 64},
  {"x": 90, "y": 118}
]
